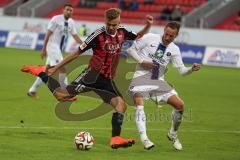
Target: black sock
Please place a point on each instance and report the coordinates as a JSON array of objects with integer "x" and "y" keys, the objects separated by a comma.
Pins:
[
  {"x": 117, "y": 120},
  {"x": 43, "y": 76},
  {"x": 50, "y": 82}
]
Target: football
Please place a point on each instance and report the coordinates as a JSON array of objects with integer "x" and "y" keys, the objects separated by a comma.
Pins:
[{"x": 83, "y": 141}]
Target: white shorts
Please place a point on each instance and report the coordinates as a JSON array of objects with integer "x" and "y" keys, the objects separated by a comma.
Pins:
[
  {"x": 54, "y": 55},
  {"x": 157, "y": 90},
  {"x": 163, "y": 97}
]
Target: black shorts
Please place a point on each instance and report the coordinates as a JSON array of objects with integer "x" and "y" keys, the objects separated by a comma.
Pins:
[{"x": 92, "y": 80}]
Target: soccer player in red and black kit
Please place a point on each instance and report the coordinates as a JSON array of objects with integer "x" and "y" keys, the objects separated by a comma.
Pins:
[{"x": 106, "y": 44}]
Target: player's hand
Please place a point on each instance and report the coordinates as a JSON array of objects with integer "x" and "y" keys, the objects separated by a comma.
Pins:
[
  {"x": 51, "y": 71},
  {"x": 43, "y": 53},
  {"x": 148, "y": 65},
  {"x": 196, "y": 67},
  {"x": 149, "y": 19}
]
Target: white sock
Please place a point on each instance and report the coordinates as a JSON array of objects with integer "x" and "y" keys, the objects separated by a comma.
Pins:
[
  {"x": 63, "y": 80},
  {"x": 176, "y": 120},
  {"x": 35, "y": 85},
  {"x": 140, "y": 119}
]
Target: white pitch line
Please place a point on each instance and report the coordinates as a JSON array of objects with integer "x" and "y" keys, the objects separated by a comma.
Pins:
[{"x": 132, "y": 129}]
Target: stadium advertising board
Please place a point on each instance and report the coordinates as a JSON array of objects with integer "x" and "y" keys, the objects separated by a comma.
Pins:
[
  {"x": 22, "y": 40},
  {"x": 192, "y": 36},
  {"x": 72, "y": 46},
  {"x": 24, "y": 24},
  {"x": 3, "y": 38},
  {"x": 192, "y": 53},
  {"x": 125, "y": 46},
  {"x": 226, "y": 57},
  {"x": 40, "y": 41}
]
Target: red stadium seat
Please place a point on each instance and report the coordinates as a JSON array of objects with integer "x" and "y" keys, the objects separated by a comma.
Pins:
[
  {"x": 5, "y": 2},
  {"x": 105, "y": 5},
  {"x": 96, "y": 14},
  {"x": 74, "y": 3},
  {"x": 229, "y": 24}
]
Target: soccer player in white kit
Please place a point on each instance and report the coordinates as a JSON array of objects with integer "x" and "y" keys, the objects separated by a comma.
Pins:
[
  {"x": 153, "y": 52},
  {"x": 57, "y": 32}
]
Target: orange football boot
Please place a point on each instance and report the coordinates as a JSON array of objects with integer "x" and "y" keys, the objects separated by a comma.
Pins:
[
  {"x": 34, "y": 70},
  {"x": 117, "y": 142}
]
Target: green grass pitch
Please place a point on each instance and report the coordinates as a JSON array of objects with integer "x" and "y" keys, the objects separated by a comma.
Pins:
[{"x": 210, "y": 130}]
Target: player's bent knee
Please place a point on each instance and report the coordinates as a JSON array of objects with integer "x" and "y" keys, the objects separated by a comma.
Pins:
[
  {"x": 119, "y": 104},
  {"x": 179, "y": 106}
]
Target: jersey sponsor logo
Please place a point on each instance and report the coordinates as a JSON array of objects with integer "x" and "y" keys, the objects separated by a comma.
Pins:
[
  {"x": 158, "y": 56},
  {"x": 66, "y": 29},
  {"x": 159, "y": 53},
  {"x": 157, "y": 59},
  {"x": 112, "y": 48}
]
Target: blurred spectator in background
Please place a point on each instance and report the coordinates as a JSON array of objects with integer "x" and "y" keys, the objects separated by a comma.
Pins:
[
  {"x": 133, "y": 5},
  {"x": 24, "y": 1},
  {"x": 83, "y": 30},
  {"x": 148, "y": 1},
  {"x": 88, "y": 3},
  {"x": 122, "y": 5},
  {"x": 166, "y": 13},
  {"x": 176, "y": 14},
  {"x": 82, "y": 3}
]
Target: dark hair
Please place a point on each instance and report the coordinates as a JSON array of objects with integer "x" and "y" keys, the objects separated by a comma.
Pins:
[
  {"x": 112, "y": 13},
  {"x": 173, "y": 25},
  {"x": 68, "y": 5}
]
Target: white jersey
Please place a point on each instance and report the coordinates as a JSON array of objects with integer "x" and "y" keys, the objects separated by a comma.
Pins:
[
  {"x": 148, "y": 49},
  {"x": 60, "y": 28}
]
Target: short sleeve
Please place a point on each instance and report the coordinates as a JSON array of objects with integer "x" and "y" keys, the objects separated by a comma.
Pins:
[
  {"x": 52, "y": 25},
  {"x": 128, "y": 34},
  {"x": 140, "y": 43},
  {"x": 73, "y": 30},
  {"x": 89, "y": 42}
]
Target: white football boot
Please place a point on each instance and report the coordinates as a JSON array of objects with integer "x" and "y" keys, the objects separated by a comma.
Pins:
[
  {"x": 147, "y": 144},
  {"x": 175, "y": 141}
]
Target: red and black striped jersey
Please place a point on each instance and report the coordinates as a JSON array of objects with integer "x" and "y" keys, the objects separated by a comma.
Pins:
[{"x": 106, "y": 49}]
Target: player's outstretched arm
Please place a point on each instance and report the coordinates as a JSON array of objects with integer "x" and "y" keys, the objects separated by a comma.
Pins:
[
  {"x": 145, "y": 64},
  {"x": 77, "y": 39},
  {"x": 43, "y": 52},
  {"x": 65, "y": 61},
  {"x": 188, "y": 70},
  {"x": 196, "y": 67},
  {"x": 149, "y": 22}
]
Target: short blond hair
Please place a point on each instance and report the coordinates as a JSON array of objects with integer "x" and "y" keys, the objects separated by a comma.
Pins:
[
  {"x": 112, "y": 13},
  {"x": 174, "y": 25}
]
